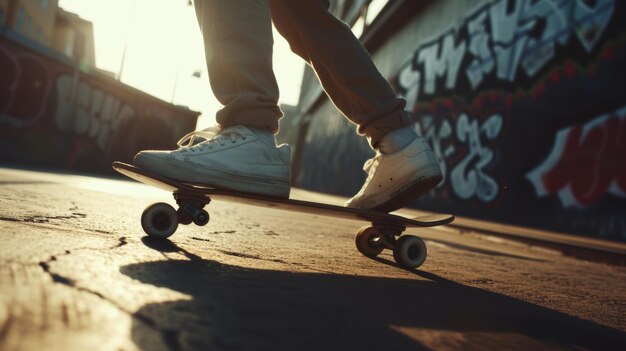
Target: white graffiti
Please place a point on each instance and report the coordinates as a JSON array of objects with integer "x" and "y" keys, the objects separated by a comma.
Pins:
[
  {"x": 84, "y": 110},
  {"x": 499, "y": 38},
  {"x": 436, "y": 137},
  {"x": 441, "y": 61},
  {"x": 479, "y": 48},
  {"x": 467, "y": 178}
]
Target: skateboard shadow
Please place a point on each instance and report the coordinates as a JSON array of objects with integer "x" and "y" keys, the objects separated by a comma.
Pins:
[
  {"x": 483, "y": 251},
  {"x": 231, "y": 307}
]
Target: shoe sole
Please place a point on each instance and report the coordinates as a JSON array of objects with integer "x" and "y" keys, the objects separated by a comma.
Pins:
[
  {"x": 409, "y": 194},
  {"x": 261, "y": 186}
]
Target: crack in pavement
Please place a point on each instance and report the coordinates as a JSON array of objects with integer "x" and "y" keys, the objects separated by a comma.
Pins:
[
  {"x": 42, "y": 219},
  {"x": 170, "y": 336},
  {"x": 121, "y": 241},
  {"x": 254, "y": 257},
  {"x": 57, "y": 278},
  {"x": 46, "y": 218},
  {"x": 45, "y": 223},
  {"x": 277, "y": 260}
]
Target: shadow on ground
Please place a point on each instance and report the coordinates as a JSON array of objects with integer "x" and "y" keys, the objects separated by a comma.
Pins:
[{"x": 239, "y": 308}]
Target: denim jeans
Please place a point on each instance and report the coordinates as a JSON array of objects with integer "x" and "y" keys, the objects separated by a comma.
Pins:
[{"x": 238, "y": 44}]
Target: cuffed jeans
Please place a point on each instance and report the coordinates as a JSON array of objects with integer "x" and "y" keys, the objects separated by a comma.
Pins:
[{"x": 238, "y": 44}]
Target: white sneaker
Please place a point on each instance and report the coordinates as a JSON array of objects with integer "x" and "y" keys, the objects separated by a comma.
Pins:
[
  {"x": 395, "y": 180},
  {"x": 233, "y": 158}
]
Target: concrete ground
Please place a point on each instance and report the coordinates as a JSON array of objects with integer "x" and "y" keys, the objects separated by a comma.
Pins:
[{"x": 78, "y": 273}]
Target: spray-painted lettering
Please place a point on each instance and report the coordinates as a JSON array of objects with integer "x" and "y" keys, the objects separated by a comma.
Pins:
[
  {"x": 499, "y": 39},
  {"x": 467, "y": 177},
  {"x": 586, "y": 162},
  {"x": 92, "y": 112}
]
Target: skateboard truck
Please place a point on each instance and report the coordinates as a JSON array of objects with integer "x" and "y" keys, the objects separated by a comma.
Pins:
[
  {"x": 191, "y": 208},
  {"x": 161, "y": 219},
  {"x": 388, "y": 233},
  {"x": 408, "y": 251}
]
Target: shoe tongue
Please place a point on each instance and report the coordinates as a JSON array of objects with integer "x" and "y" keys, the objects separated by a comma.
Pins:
[
  {"x": 234, "y": 129},
  {"x": 263, "y": 135},
  {"x": 237, "y": 130}
]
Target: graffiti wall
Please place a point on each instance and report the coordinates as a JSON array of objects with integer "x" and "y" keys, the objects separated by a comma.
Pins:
[
  {"x": 52, "y": 114},
  {"x": 524, "y": 104}
]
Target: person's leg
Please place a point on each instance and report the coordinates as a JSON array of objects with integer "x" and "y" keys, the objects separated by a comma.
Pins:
[
  {"x": 345, "y": 69},
  {"x": 242, "y": 154},
  {"x": 238, "y": 45},
  {"x": 405, "y": 167}
]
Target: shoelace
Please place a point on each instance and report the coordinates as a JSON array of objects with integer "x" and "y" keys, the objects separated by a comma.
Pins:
[
  {"x": 198, "y": 136},
  {"x": 208, "y": 137},
  {"x": 371, "y": 163},
  {"x": 370, "y": 168}
]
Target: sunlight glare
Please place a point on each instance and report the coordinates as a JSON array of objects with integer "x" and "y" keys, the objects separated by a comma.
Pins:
[{"x": 164, "y": 48}]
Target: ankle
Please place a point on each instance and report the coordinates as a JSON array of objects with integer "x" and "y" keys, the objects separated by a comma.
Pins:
[{"x": 396, "y": 140}]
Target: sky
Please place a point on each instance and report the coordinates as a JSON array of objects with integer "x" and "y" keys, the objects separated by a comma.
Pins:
[{"x": 164, "y": 48}]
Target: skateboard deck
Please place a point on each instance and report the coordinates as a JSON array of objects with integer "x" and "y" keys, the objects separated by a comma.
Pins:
[{"x": 192, "y": 198}]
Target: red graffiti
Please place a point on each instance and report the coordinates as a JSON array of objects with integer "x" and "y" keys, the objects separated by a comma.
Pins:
[
  {"x": 569, "y": 69},
  {"x": 586, "y": 163}
]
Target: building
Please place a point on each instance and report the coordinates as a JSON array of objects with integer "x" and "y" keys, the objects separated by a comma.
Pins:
[
  {"x": 522, "y": 101},
  {"x": 57, "y": 110},
  {"x": 45, "y": 23},
  {"x": 73, "y": 36},
  {"x": 34, "y": 19}
]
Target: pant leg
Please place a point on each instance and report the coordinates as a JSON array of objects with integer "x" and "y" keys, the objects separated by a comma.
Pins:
[
  {"x": 238, "y": 44},
  {"x": 345, "y": 69}
]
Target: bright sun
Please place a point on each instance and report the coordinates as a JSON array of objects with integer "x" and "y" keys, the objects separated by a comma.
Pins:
[{"x": 164, "y": 49}]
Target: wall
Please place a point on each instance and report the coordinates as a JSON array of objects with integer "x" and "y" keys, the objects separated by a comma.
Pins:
[
  {"x": 4, "y": 7},
  {"x": 523, "y": 102},
  {"x": 52, "y": 114},
  {"x": 73, "y": 37},
  {"x": 38, "y": 20}
]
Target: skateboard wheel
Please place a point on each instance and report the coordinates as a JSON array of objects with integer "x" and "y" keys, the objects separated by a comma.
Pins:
[
  {"x": 409, "y": 251},
  {"x": 159, "y": 220},
  {"x": 201, "y": 218},
  {"x": 364, "y": 240}
]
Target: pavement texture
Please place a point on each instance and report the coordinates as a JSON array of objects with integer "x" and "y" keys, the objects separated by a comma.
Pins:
[{"x": 78, "y": 273}]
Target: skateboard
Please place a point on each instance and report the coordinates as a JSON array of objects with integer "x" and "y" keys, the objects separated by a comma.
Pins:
[{"x": 161, "y": 220}]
